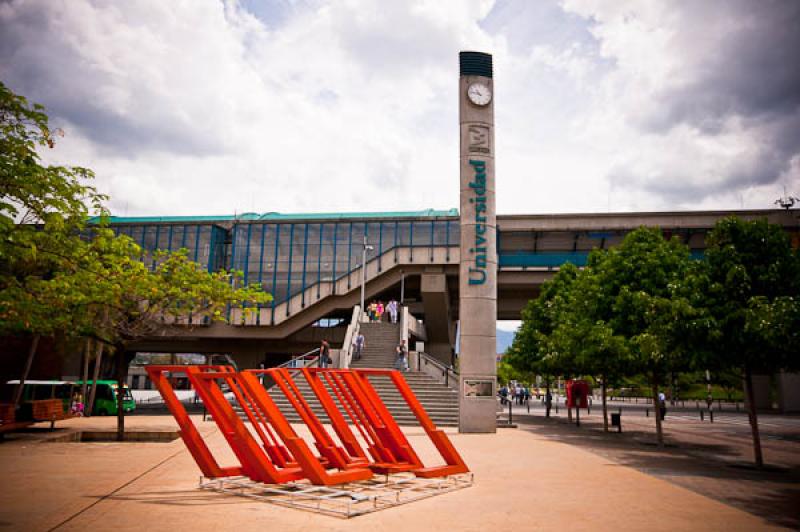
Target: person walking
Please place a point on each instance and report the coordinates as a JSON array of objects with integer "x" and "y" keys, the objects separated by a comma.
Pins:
[
  {"x": 401, "y": 363},
  {"x": 503, "y": 395},
  {"x": 324, "y": 354},
  {"x": 392, "y": 309},
  {"x": 662, "y": 405},
  {"x": 358, "y": 345},
  {"x": 379, "y": 311}
]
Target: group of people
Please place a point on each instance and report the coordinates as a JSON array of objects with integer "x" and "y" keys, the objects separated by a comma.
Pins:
[
  {"x": 376, "y": 310},
  {"x": 517, "y": 393}
]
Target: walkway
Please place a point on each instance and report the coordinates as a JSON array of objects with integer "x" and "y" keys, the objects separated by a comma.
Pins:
[{"x": 523, "y": 480}]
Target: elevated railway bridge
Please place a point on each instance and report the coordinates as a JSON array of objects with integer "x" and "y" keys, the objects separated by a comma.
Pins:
[{"x": 311, "y": 264}]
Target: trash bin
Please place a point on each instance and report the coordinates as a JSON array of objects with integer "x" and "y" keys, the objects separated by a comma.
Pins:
[{"x": 616, "y": 421}]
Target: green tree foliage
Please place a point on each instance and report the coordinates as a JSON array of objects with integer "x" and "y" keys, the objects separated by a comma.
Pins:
[
  {"x": 645, "y": 295},
  {"x": 534, "y": 348},
  {"x": 752, "y": 291},
  {"x": 43, "y": 208},
  {"x": 59, "y": 275}
]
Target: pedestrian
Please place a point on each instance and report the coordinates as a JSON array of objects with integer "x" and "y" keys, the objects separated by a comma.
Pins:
[
  {"x": 324, "y": 354},
  {"x": 77, "y": 404},
  {"x": 358, "y": 345},
  {"x": 379, "y": 310},
  {"x": 527, "y": 394},
  {"x": 401, "y": 363},
  {"x": 392, "y": 309},
  {"x": 662, "y": 405},
  {"x": 503, "y": 395}
]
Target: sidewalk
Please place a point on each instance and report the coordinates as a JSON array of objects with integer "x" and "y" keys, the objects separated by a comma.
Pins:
[{"x": 522, "y": 479}]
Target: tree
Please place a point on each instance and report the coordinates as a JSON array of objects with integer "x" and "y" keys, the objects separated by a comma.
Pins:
[
  {"x": 645, "y": 296},
  {"x": 752, "y": 294},
  {"x": 43, "y": 209},
  {"x": 584, "y": 331},
  {"x": 533, "y": 348},
  {"x": 57, "y": 274},
  {"x": 129, "y": 301}
]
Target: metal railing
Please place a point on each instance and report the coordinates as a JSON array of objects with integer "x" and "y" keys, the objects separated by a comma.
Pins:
[
  {"x": 301, "y": 361},
  {"x": 448, "y": 374}
]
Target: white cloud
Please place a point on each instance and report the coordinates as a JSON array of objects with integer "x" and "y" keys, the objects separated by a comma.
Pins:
[{"x": 210, "y": 107}]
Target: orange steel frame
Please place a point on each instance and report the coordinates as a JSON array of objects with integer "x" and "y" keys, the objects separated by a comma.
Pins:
[
  {"x": 283, "y": 456},
  {"x": 392, "y": 443}
]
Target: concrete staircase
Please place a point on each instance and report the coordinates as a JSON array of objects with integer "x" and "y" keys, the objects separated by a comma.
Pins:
[
  {"x": 381, "y": 340},
  {"x": 439, "y": 401}
]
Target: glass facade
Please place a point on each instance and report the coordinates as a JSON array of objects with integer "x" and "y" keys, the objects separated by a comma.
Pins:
[
  {"x": 287, "y": 258},
  {"x": 205, "y": 243}
]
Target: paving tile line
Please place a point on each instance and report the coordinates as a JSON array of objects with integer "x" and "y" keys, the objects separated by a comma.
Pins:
[{"x": 116, "y": 490}]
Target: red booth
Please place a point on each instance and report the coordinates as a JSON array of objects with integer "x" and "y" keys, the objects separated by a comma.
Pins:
[{"x": 577, "y": 394}]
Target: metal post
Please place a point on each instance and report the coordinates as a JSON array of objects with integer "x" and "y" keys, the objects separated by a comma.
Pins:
[
  {"x": 363, "y": 273},
  {"x": 509, "y": 412},
  {"x": 701, "y": 415},
  {"x": 711, "y": 416}
]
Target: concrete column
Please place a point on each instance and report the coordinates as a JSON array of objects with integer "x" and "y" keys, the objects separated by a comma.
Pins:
[
  {"x": 438, "y": 324},
  {"x": 478, "y": 257}
]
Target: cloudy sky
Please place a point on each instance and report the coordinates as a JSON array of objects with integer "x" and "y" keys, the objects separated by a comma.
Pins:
[{"x": 211, "y": 107}]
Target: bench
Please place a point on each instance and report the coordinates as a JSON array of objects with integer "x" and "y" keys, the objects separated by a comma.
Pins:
[
  {"x": 8, "y": 422},
  {"x": 50, "y": 410}
]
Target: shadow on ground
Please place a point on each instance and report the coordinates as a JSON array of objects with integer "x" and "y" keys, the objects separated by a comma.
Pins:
[{"x": 713, "y": 470}]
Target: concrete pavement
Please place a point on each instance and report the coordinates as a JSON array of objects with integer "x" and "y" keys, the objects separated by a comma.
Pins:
[{"x": 523, "y": 481}]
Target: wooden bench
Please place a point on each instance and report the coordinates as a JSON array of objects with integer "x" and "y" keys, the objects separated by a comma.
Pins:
[
  {"x": 8, "y": 422},
  {"x": 50, "y": 410}
]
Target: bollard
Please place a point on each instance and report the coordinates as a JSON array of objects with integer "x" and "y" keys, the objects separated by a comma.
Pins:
[
  {"x": 204, "y": 412},
  {"x": 646, "y": 412},
  {"x": 711, "y": 416},
  {"x": 509, "y": 413},
  {"x": 701, "y": 415},
  {"x": 529, "y": 406},
  {"x": 719, "y": 404}
]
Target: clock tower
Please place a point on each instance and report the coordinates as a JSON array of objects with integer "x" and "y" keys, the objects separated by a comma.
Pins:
[{"x": 478, "y": 256}]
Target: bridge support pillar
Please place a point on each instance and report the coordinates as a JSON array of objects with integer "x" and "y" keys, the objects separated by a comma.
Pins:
[{"x": 439, "y": 325}]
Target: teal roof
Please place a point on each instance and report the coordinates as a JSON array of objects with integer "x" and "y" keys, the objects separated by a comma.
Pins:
[{"x": 279, "y": 217}]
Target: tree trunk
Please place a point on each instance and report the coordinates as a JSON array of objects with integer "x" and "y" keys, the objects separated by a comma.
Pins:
[
  {"x": 119, "y": 352},
  {"x": 605, "y": 407},
  {"x": 98, "y": 361},
  {"x": 547, "y": 404},
  {"x": 28, "y": 364},
  {"x": 751, "y": 410},
  {"x": 87, "y": 352},
  {"x": 657, "y": 408}
]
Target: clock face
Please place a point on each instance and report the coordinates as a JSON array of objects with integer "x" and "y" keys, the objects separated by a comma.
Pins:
[{"x": 479, "y": 94}]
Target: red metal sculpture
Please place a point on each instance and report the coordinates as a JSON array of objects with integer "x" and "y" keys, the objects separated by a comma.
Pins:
[{"x": 274, "y": 453}]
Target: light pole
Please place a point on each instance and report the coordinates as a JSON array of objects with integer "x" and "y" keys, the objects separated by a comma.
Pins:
[{"x": 364, "y": 250}]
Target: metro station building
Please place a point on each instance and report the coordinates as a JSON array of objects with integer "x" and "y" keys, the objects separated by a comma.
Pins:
[{"x": 456, "y": 271}]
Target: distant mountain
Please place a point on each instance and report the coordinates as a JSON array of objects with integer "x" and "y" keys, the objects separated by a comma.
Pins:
[{"x": 504, "y": 339}]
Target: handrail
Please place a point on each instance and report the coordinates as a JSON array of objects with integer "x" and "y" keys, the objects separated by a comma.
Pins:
[
  {"x": 346, "y": 353},
  {"x": 292, "y": 364},
  {"x": 448, "y": 372}
]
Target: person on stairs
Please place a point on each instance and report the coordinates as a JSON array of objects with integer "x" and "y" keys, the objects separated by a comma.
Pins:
[
  {"x": 359, "y": 343},
  {"x": 401, "y": 363},
  {"x": 391, "y": 308}
]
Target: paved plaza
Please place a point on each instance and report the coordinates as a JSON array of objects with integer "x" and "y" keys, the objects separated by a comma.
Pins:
[{"x": 533, "y": 478}]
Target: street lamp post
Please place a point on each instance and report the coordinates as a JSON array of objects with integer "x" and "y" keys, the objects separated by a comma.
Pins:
[{"x": 364, "y": 250}]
